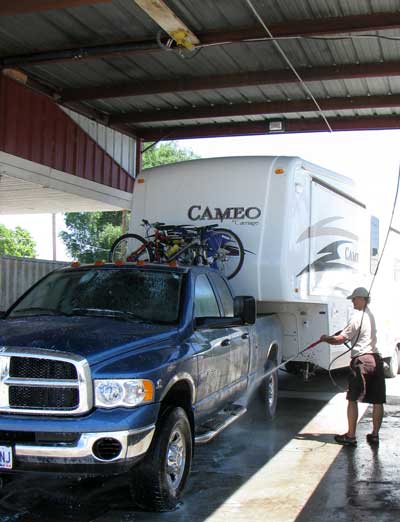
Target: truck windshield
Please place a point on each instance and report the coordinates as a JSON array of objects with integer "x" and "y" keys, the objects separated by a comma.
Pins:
[{"x": 135, "y": 295}]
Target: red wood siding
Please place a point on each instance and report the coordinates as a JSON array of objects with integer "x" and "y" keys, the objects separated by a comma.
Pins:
[{"x": 35, "y": 128}]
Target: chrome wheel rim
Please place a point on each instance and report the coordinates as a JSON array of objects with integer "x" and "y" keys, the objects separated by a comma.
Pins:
[
  {"x": 270, "y": 391},
  {"x": 176, "y": 458}
]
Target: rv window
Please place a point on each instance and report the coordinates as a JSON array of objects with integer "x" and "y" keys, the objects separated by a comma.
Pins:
[{"x": 374, "y": 243}]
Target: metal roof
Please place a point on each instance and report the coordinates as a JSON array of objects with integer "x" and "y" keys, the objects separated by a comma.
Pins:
[{"x": 113, "y": 61}]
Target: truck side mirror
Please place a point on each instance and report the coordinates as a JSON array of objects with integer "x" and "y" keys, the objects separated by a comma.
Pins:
[{"x": 244, "y": 307}]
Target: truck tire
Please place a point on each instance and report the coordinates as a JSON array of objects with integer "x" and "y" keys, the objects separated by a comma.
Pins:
[
  {"x": 157, "y": 483},
  {"x": 269, "y": 390},
  {"x": 391, "y": 368}
]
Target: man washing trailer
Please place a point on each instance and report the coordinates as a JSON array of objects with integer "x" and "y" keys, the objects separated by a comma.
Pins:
[{"x": 366, "y": 381}]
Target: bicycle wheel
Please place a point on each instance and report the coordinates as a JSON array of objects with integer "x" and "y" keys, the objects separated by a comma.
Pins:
[
  {"x": 226, "y": 251},
  {"x": 131, "y": 248}
]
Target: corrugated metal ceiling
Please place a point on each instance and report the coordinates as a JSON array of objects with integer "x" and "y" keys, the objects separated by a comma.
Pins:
[{"x": 313, "y": 34}]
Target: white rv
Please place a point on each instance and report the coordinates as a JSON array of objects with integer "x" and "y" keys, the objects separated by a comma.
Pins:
[{"x": 309, "y": 241}]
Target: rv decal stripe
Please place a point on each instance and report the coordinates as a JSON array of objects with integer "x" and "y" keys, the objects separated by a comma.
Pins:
[
  {"x": 326, "y": 262},
  {"x": 319, "y": 229}
]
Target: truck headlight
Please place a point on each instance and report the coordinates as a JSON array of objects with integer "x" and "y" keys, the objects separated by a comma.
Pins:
[{"x": 111, "y": 393}]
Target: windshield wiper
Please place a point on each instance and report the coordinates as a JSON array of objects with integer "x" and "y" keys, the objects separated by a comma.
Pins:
[
  {"x": 38, "y": 310},
  {"x": 102, "y": 312}
]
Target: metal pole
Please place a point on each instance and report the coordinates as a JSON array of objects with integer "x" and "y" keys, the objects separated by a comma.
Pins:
[
  {"x": 138, "y": 158},
  {"x": 54, "y": 236}
]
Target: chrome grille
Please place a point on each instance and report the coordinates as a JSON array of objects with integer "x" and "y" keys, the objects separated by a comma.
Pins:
[
  {"x": 32, "y": 368},
  {"x": 41, "y": 381},
  {"x": 48, "y": 398}
]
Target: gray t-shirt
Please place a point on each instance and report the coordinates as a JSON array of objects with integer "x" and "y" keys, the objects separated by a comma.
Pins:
[{"x": 361, "y": 332}]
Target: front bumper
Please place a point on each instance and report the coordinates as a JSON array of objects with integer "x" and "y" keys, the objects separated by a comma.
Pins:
[
  {"x": 134, "y": 443},
  {"x": 71, "y": 446}
]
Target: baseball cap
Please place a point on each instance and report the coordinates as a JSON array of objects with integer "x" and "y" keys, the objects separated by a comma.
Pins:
[{"x": 359, "y": 292}]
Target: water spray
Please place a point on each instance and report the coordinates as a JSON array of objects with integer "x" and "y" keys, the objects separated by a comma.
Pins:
[{"x": 274, "y": 369}]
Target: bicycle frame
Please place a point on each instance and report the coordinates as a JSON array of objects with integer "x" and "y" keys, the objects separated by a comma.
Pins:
[
  {"x": 158, "y": 242},
  {"x": 207, "y": 245}
]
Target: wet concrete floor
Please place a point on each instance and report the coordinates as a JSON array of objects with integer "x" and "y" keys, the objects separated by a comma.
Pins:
[{"x": 288, "y": 470}]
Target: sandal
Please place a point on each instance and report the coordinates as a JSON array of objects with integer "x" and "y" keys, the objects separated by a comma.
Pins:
[
  {"x": 373, "y": 439},
  {"x": 345, "y": 440}
]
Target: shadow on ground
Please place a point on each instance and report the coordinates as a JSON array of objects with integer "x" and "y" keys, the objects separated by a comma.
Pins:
[
  {"x": 363, "y": 483},
  {"x": 219, "y": 469}
]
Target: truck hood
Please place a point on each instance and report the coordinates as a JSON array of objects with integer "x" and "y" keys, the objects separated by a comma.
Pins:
[{"x": 95, "y": 338}]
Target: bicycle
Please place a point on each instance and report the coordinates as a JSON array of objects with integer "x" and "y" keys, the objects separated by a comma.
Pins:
[
  {"x": 156, "y": 247},
  {"x": 208, "y": 245}
]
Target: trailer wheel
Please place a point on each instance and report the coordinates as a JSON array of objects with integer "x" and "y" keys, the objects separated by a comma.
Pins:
[
  {"x": 159, "y": 480},
  {"x": 391, "y": 368},
  {"x": 269, "y": 390}
]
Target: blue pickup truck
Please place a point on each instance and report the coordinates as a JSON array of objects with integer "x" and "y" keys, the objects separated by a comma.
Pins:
[{"x": 112, "y": 368}]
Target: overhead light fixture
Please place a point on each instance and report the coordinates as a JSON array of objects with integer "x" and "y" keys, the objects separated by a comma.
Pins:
[
  {"x": 167, "y": 20},
  {"x": 16, "y": 75},
  {"x": 276, "y": 126}
]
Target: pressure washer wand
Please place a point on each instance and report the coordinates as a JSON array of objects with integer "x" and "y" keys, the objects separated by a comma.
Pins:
[
  {"x": 299, "y": 353},
  {"x": 276, "y": 368}
]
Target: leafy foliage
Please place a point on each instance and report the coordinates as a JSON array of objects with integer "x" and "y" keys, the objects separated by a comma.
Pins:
[
  {"x": 165, "y": 153},
  {"x": 91, "y": 234},
  {"x": 16, "y": 242}
]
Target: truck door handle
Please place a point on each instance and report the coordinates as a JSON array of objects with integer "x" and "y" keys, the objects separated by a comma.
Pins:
[
  {"x": 245, "y": 336},
  {"x": 226, "y": 342}
]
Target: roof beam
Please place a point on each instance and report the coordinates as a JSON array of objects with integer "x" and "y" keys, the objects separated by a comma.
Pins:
[
  {"x": 272, "y": 77},
  {"x": 261, "y": 128},
  {"x": 13, "y": 7},
  {"x": 313, "y": 27},
  {"x": 248, "y": 109},
  {"x": 169, "y": 21}
]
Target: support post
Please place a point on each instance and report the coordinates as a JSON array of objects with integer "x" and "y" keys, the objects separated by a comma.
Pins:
[
  {"x": 125, "y": 221},
  {"x": 54, "y": 236},
  {"x": 138, "y": 166}
]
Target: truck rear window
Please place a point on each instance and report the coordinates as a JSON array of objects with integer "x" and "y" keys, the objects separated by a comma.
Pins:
[{"x": 149, "y": 296}]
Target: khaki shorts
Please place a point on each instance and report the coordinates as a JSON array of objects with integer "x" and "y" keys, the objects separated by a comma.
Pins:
[{"x": 367, "y": 380}]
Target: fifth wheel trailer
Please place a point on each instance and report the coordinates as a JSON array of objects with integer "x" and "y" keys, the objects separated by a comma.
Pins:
[{"x": 309, "y": 240}]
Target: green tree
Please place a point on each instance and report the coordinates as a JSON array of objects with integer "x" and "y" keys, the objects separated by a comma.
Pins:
[
  {"x": 89, "y": 235},
  {"x": 16, "y": 242},
  {"x": 165, "y": 153}
]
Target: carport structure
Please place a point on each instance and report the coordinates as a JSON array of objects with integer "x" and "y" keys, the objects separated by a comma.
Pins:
[{"x": 163, "y": 70}]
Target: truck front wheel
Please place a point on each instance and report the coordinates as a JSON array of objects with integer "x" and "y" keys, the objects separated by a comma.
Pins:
[{"x": 159, "y": 480}]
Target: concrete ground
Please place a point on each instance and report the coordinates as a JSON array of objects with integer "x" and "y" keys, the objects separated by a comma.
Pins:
[{"x": 288, "y": 470}]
